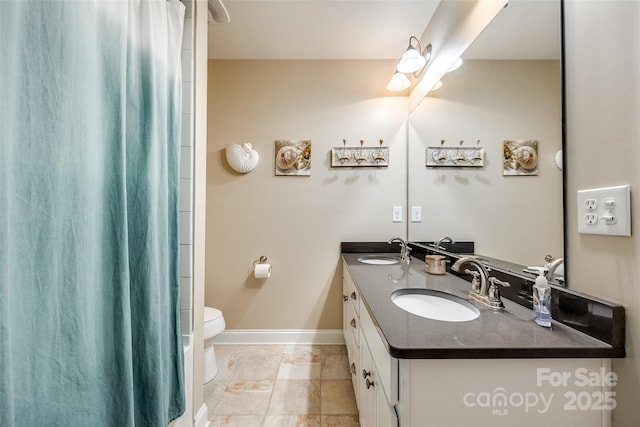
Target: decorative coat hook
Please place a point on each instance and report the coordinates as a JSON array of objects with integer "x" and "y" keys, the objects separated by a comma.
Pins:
[
  {"x": 361, "y": 156},
  {"x": 343, "y": 157},
  {"x": 455, "y": 156}
]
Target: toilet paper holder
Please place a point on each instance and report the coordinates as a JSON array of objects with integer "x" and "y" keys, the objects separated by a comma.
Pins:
[
  {"x": 261, "y": 269},
  {"x": 262, "y": 260}
]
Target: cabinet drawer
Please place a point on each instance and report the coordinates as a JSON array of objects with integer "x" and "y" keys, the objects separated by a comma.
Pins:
[
  {"x": 386, "y": 366},
  {"x": 351, "y": 290},
  {"x": 352, "y": 325}
]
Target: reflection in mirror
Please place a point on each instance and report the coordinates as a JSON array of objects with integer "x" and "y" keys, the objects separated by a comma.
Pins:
[{"x": 508, "y": 89}]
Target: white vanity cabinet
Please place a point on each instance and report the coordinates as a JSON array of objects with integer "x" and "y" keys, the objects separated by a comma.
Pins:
[
  {"x": 374, "y": 371},
  {"x": 391, "y": 392},
  {"x": 351, "y": 329},
  {"x": 506, "y": 392}
]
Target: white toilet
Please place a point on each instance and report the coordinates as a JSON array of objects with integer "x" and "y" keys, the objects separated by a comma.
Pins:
[{"x": 213, "y": 325}]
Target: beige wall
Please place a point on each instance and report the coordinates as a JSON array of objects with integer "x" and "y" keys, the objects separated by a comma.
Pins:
[
  {"x": 518, "y": 219},
  {"x": 297, "y": 222},
  {"x": 603, "y": 106}
]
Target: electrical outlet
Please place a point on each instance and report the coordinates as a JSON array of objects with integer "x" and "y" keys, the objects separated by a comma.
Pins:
[
  {"x": 591, "y": 204},
  {"x": 590, "y": 218},
  {"x": 397, "y": 214},
  {"x": 605, "y": 211}
]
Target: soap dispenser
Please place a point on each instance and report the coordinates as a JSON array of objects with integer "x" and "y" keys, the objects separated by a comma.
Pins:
[{"x": 541, "y": 298}]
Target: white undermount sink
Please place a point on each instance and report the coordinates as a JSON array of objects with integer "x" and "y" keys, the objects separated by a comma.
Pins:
[
  {"x": 435, "y": 305},
  {"x": 378, "y": 260}
]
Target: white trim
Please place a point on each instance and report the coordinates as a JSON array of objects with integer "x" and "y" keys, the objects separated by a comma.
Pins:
[
  {"x": 280, "y": 336},
  {"x": 202, "y": 417}
]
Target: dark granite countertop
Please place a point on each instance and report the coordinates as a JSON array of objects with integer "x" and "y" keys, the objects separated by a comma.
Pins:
[{"x": 508, "y": 333}]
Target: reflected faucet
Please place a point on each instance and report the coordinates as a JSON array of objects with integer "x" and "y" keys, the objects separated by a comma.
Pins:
[
  {"x": 404, "y": 248},
  {"x": 552, "y": 266},
  {"x": 486, "y": 289},
  {"x": 445, "y": 239}
]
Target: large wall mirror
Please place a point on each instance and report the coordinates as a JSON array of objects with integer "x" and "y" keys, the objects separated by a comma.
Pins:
[{"x": 509, "y": 88}]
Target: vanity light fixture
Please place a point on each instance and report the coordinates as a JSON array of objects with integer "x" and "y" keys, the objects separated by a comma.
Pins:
[
  {"x": 413, "y": 59},
  {"x": 399, "y": 81}
]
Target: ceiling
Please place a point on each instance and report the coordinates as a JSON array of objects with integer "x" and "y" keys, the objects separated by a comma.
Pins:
[
  {"x": 525, "y": 29},
  {"x": 371, "y": 29},
  {"x": 318, "y": 29}
]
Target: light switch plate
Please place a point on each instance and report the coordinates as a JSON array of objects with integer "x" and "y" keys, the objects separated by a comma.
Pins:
[
  {"x": 397, "y": 214},
  {"x": 416, "y": 213},
  {"x": 605, "y": 211}
]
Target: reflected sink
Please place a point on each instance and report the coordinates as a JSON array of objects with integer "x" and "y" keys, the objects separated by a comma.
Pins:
[
  {"x": 378, "y": 260},
  {"x": 435, "y": 305}
]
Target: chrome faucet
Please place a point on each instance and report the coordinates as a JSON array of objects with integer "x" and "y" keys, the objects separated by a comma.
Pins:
[
  {"x": 404, "y": 248},
  {"x": 484, "y": 289},
  {"x": 552, "y": 266},
  {"x": 479, "y": 287},
  {"x": 444, "y": 239}
]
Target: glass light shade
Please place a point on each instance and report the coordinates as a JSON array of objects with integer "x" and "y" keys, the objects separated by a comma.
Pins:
[
  {"x": 399, "y": 81},
  {"x": 411, "y": 61}
]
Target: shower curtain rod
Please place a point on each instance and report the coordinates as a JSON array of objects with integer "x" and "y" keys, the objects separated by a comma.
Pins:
[{"x": 217, "y": 12}]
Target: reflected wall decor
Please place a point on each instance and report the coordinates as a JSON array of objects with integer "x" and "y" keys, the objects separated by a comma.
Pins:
[{"x": 519, "y": 158}]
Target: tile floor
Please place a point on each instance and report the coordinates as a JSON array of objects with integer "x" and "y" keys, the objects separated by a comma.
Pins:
[{"x": 281, "y": 386}]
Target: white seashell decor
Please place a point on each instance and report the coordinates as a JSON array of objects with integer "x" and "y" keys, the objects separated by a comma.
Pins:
[{"x": 242, "y": 158}]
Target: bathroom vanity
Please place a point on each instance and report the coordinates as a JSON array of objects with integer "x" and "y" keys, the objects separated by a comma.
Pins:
[{"x": 500, "y": 369}]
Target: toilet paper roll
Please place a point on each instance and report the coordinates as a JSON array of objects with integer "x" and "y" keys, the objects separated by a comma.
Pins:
[{"x": 262, "y": 271}]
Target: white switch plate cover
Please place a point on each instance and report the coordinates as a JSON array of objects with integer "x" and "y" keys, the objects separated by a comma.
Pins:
[
  {"x": 416, "y": 213},
  {"x": 612, "y": 218},
  {"x": 397, "y": 214}
]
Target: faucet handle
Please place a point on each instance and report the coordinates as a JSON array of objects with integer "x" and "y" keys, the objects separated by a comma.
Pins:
[
  {"x": 475, "y": 283},
  {"x": 494, "y": 291},
  {"x": 405, "y": 252},
  {"x": 494, "y": 281}
]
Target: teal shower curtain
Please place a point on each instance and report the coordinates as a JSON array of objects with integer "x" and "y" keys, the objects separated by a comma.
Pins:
[{"x": 90, "y": 110}]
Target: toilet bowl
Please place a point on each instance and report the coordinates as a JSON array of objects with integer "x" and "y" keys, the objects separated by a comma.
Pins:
[{"x": 213, "y": 325}]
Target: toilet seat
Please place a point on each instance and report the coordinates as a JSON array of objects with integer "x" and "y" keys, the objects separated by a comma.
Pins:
[
  {"x": 211, "y": 313},
  {"x": 213, "y": 322}
]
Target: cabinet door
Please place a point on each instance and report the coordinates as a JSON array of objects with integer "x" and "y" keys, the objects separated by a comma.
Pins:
[
  {"x": 385, "y": 413},
  {"x": 506, "y": 392},
  {"x": 367, "y": 384},
  {"x": 375, "y": 410}
]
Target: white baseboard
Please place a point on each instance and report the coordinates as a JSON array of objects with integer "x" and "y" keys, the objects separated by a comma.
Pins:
[
  {"x": 202, "y": 417},
  {"x": 280, "y": 336}
]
